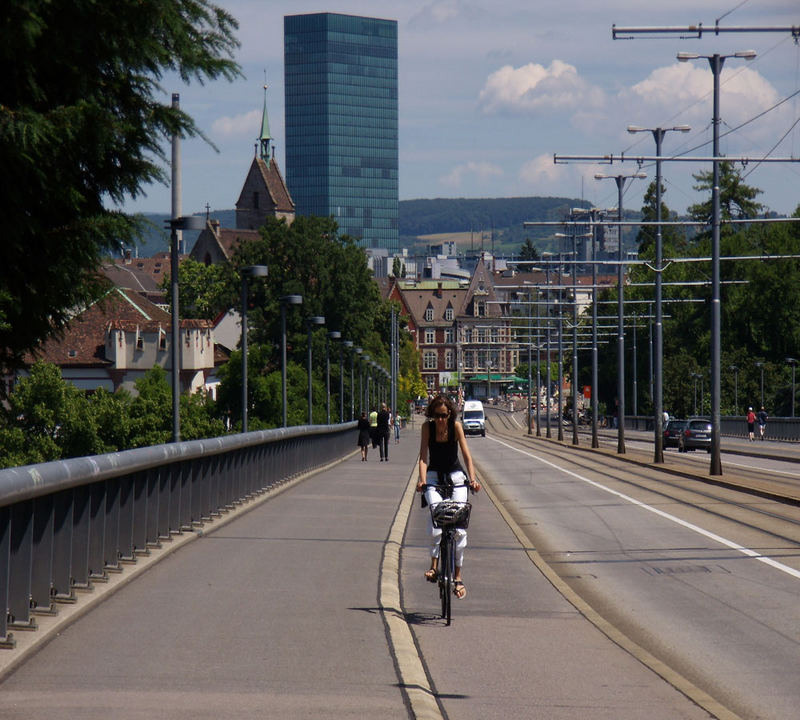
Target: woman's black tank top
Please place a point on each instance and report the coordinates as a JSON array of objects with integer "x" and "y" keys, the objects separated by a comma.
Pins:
[{"x": 443, "y": 456}]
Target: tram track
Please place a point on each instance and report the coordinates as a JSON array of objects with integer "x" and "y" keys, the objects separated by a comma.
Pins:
[
  {"x": 780, "y": 486},
  {"x": 779, "y": 519},
  {"x": 764, "y": 526}
]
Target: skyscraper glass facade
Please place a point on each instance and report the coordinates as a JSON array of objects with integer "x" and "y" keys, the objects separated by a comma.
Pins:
[{"x": 340, "y": 75}]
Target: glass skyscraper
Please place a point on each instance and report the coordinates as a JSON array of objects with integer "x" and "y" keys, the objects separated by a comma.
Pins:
[{"x": 340, "y": 75}]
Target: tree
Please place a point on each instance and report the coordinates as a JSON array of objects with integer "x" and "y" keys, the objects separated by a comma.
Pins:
[
  {"x": 736, "y": 199},
  {"x": 81, "y": 124},
  {"x": 205, "y": 290},
  {"x": 528, "y": 251},
  {"x": 671, "y": 237}
]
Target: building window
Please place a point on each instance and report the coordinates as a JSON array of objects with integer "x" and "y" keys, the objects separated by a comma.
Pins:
[
  {"x": 467, "y": 335},
  {"x": 494, "y": 335},
  {"x": 449, "y": 336},
  {"x": 255, "y": 200},
  {"x": 430, "y": 336},
  {"x": 429, "y": 360},
  {"x": 480, "y": 308},
  {"x": 481, "y": 335},
  {"x": 449, "y": 363},
  {"x": 468, "y": 359},
  {"x": 448, "y": 314},
  {"x": 429, "y": 314},
  {"x": 430, "y": 381}
]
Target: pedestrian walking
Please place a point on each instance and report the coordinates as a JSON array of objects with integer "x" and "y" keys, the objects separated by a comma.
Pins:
[
  {"x": 363, "y": 435},
  {"x": 382, "y": 431},
  {"x": 396, "y": 424},
  {"x": 762, "y": 422},
  {"x": 373, "y": 428},
  {"x": 751, "y": 424}
]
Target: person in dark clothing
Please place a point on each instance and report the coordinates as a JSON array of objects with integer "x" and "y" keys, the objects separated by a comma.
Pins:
[
  {"x": 382, "y": 432},
  {"x": 363, "y": 435},
  {"x": 441, "y": 475},
  {"x": 762, "y": 422}
]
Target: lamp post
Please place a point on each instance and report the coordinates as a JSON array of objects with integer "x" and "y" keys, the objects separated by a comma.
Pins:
[
  {"x": 249, "y": 271},
  {"x": 353, "y": 383},
  {"x": 695, "y": 377},
  {"x": 735, "y": 369},
  {"x": 284, "y": 301},
  {"x": 793, "y": 363},
  {"x": 658, "y": 359},
  {"x": 344, "y": 344},
  {"x": 187, "y": 222},
  {"x": 716, "y": 61},
  {"x": 620, "y": 181},
  {"x": 332, "y": 335},
  {"x": 365, "y": 382},
  {"x": 311, "y": 322},
  {"x": 760, "y": 365}
]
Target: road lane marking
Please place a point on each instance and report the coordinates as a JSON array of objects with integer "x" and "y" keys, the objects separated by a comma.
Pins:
[
  {"x": 413, "y": 678},
  {"x": 667, "y": 516}
]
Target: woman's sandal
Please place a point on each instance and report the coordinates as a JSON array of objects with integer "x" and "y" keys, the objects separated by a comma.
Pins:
[
  {"x": 431, "y": 575},
  {"x": 460, "y": 590}
]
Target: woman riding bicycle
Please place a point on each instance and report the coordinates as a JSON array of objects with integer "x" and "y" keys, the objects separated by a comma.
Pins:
[{"x": 442, "y": 476}]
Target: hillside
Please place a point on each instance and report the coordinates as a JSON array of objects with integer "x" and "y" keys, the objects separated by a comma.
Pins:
[{"x": 469, "y": 218}]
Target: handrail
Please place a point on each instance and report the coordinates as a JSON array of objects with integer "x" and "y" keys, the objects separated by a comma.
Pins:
[{"x": 68, "y": 523}]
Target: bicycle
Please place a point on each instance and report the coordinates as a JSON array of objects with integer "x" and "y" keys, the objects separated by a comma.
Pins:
[{"x": 449, "y": 515}]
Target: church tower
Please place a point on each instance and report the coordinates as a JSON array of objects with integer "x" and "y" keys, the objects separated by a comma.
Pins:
[{"x": 264, "y": 192}]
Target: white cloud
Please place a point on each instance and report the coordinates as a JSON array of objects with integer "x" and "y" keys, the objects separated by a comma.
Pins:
[
  {"x": 444, "y": 12},
  {"x": 482, "y": 171},
  {"x": 541, "y": 176},
  {"x": 533, "y": 88},
  {"x": 244, "y": 125},
  {"x": 682, "y": 92}
]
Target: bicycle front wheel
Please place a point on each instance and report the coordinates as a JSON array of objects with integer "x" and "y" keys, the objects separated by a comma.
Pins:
[{"x": 446, "y": 569}]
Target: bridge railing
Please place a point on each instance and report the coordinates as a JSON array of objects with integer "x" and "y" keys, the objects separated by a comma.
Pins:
[
  {"x": 68, "y": 523},
  {"x": 778, "y": 428}
]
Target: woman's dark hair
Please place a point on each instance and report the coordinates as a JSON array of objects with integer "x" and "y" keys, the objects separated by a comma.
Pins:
[{"x": 441, "y": 399}]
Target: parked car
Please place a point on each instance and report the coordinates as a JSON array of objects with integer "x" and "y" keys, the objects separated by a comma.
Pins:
[
  {"x": 697, "y": 434},
  {"x": 673, "y": 433}
]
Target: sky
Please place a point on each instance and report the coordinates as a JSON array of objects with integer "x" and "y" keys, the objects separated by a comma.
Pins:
[{"x": 490, "y": 90}]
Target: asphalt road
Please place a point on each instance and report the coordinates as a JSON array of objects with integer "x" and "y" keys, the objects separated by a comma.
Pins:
[
  {"x": 287, "y": 611},
  {"x": 707, "y": 586}
]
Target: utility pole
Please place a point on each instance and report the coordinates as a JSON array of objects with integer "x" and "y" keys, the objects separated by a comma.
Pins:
[{"x": 716, "y": 62}]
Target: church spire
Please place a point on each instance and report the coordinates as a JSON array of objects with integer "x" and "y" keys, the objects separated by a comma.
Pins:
[{"x": 264, "y": 140}]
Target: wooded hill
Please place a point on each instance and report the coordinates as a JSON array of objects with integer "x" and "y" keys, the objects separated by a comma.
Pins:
[{"x": 503, "y": 216}]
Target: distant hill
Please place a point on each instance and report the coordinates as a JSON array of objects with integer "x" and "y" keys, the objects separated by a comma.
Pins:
[
  {"x": 417, "y": 218},
  {"x": 442, "y": 215}
]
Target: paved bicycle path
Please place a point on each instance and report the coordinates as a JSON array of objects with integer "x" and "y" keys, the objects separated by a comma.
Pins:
[{"x": 277, "y": 614}]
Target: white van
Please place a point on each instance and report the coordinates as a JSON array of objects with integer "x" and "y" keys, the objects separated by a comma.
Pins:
[{"x": 473, "y": 419}]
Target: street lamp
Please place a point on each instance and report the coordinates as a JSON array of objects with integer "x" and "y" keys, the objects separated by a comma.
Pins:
[
  {"x": 358, "y": 351},
  {"x": 695, "y": 377},
  {"x": 658, "y": 359},
  {"x": 344, "y": 344},
  {"x": 716, "y": 61},
  {"x": 284, "y": 301},
  {"x": 735, "y": 369},
  {"x": 793, "y": 363},
  {"x": 249, "y": 271},
  {"x": 187, "y": 222},
  {"x": 332, "y": 335},
  {"x": 311, "y": 322},
  {"x": 760, "y": 365},
  {"x": 620, "y": 181}
]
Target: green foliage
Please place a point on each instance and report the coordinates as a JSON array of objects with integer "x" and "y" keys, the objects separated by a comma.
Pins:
[
  {"x": 80, "y": 123},
  {"x": 48, "y": 419},
  {"x": 528, "y": 251},
  {"x": 736, "y": 199},
  {"x": 426, "y": 217},
  {"x": 205, "y": 290}
]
